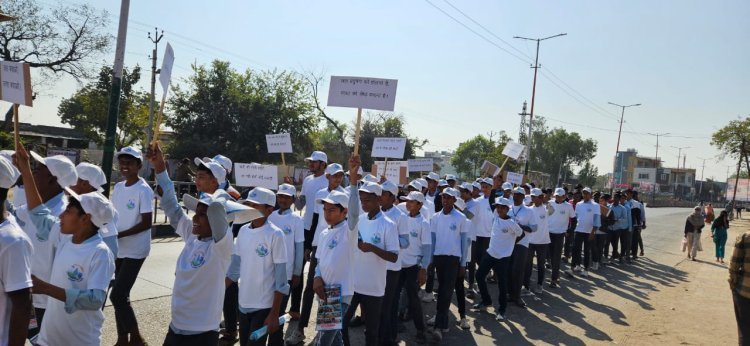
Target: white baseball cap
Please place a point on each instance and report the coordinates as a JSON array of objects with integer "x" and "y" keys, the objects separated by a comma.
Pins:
[
  {"x": 95, "y": 204},
  {"x": 59, "y": 166},
  {"x": 476, "y": 185},
  {"x": 536, "y": 192},
  {"x": 8, "y": 173},
  {"x": 216, "y": 169},
  {"x": 423, "y": 182},
  {"x": 460, "y": 204},
  {"x": 487, "y": 181},
  {"x": 334, "y": 168},
  {"x": 335, "y": 197},
  {"x": 504, "y": 201},
  {"x": 8, "y": 154},
  {"x": 93, "y": 174},
  {"x": 433, "y": 176},
  {"x": 413, "y": 196},
  {"x": 519, "y": 190},
  {"x": 224, "y": 162},
  {"x": 586, "y": 189},
  {"x": 559, "y": 191},
  {"x": 442, "y": 182},
  {"x": 132, "y": 151},
  {"x": 221, "y": 209},
  {"x": 507, "y": 186},
  {"x": 260, "y": 195},
  {"x": 371, "y": 178},
  {"x": 287, "y": 190},
  {"x": 318, "y": 156},
  {"x": 390, "y": 187},
  {"x": 450, "y": 177},
  {"x": 466, "y": 186},
  {"x": 369, "y": 187},
  {"x": 451, "y": 192},
  {"x": 416, "y": 185}
]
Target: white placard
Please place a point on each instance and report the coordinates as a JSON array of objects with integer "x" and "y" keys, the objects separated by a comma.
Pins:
[
  {"x": 394, "y": 170},
  {"x": 362, "y": 92},
  {"x": 489, "y": 169},
  {"x": 165, "y": 75},
  {"x": 392, "y": 148},
  {"x": 420, "y": 165},
  {"x": 515, "y": 178},
  {"x": 15, "y": 83},
  {"x": 256, "y": 175},
  {"x": 513, "y": 150},
  {"x": 279, "y": 143}
]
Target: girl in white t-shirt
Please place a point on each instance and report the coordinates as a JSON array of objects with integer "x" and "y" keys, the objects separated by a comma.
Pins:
[{"x": 80, "y": 276}]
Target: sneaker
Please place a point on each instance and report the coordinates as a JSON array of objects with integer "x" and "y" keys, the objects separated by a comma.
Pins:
[
  {"x": 554, "y": 284},
  {"x": 420, "y": 338},
  {"x": 437, "y": 336},
  {"x": 428, "y": 297},
  {"x": 431, "y": 321},
  {"x": 525, "y": 292},
  {"x": 538, "y": 289},
  {"x": 578, "y": 269},
  {"x": 585, "y": 273},
  {"x": 479, "y": 307},
  {"x": 475, "y": 287},
  {"x": 295, "y": 338},
  {"x": 500, "y": 317},
  {"x": 464, "y": 324}
]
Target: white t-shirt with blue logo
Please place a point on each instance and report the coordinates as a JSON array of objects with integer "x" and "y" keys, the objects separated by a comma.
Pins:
[
  {"x": 558, "y": 222},
  {"x": 322, "y": 193},
  {"x": 448, "y": 229},
  {"x": 483, "y": 217},
  {"x": 419, "y": 234},
  {"x": 86, "y": 266},
  {"x": 198, "y": 294},
  {"x": 15, "y": 272},
  {"x": 130, "y": 202},
  {"x": 294, "y": 232},
  {"x": 370, "y": 269},
  {"x": 259, "y": 249},
  {"x": 503, "y": 239},
  {"x": 395, "y": 214},
  {"x": 335, "y": 256},
  {"x": 523, "y": 216},
  {"x": 541, "y": 236}
]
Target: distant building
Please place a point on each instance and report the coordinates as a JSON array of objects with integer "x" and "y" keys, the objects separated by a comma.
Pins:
[
  {"x": 647, "y": 175},
  {"x": 443, "y": 160}
]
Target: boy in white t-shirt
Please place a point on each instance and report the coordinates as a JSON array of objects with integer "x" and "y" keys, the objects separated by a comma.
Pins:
[
  {"x": 538, "y": 242},
  {"x": 81, "y": 272},
  {"x": 133, "y": 200},
  {"x": 259, "y": 266},
  {"x": 90, "y": 179},
  {"x": 15, "y": 268}
]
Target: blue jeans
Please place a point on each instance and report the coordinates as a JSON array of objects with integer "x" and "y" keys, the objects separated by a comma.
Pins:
[{"x": 333, "y": 337}]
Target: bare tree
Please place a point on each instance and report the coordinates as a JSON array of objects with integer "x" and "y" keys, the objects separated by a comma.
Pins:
[{"x": 315, "y": 81}]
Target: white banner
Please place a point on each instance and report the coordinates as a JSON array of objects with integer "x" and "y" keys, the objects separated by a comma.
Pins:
[
  {"x": 165, "y": 75},
  {"x": 420, "y": 165},
  {"x": 513, "y": 150},
  {"x": 393, "y": 172},
  {"x": 392, "y": 148},
  {"x": 279, "y": 143},
  {"x": 515, "y": 178},
  {"x": 15, "y": 83},
  {"x": 256, "y": 175},
  {"x": 362, "y": 92}
]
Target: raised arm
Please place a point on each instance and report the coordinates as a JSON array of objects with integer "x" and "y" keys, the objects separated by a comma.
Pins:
[{"x": 169, "y": 196}]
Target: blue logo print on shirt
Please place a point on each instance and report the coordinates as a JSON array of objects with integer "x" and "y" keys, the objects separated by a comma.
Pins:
[
  {"x": 199, "y": 258},
  {"x": 287, "y": 229},
  {"x": 332, "y": 244},
  {"x": 375, "y": 239},
  {"x": 453, "y": 227},
  {"x": 75, "y": 273},
  {"x": 130, "y": 205},
  {"x": 261, "y": 250},
  {"x": 413, "y": 234}
]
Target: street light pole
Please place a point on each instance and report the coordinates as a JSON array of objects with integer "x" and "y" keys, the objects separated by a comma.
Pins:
[
  {"x": 533, "y": 94},
  {"x": 614, "y": 165}
]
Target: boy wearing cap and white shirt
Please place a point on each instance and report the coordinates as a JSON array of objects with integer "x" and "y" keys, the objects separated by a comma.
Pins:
[
  {"x": 558, "y": 224},
  {"x": 259, "y": 265},
  {"x": 538, "y": 241},
  {"x": 294, "y": 236},
  {"x": 497, "y": 257},
  {"x": 226, "y": 163},
  {"x": 589, "y": 219},
  {"x": 524, "y": 217},
  {"x": 15, "y": 272},
  {"x": 44, "y": 191},
  {"x": 133, "y": 200},
  {"x": 433, "y": 194},
  {"x": 90, "y": 179},
  {"x": 81, "y": 272},
  {"x": 467, "y": 195},
  {"x": 449, "y": 234},
  {"x": 451, "y": 180},
  {"x": 209, "y": 177},
  {"x": 200, "y": 271},
  {"x": 378, "y": 244}
]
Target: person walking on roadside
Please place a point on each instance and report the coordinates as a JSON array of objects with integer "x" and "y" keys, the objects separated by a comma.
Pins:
[
  {"x": 719, "y": 234},
  {"x": 739, "y": 283},
  {"x": 693, "y": 227},
  {"x": 710, "y": 213}
]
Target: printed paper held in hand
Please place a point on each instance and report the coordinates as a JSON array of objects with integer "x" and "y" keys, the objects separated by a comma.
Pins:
[{"x": 330, "y": 311}]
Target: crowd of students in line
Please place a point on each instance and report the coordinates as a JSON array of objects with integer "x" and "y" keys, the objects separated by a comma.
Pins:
[{"x": 244, "y": 254}]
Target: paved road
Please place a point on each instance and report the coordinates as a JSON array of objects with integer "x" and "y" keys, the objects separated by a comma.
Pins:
[{"x": 611, "y": 306}]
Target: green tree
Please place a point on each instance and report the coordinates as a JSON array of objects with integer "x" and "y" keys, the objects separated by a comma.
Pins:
[
  {"x": 588, "y": 174},
  {"x": 469, "y": 156},
  {"x": 86, "y": 109},
  {"x": 733, "y": 140},
  {"x": 555, "y": 152},
  {"x": 384, "y": 125},
  {"x": 221, "y": 110},
  {"x": 330, "y": 142}
]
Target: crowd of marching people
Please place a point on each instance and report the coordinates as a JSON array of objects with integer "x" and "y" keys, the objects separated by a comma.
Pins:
[{"x": 70, "y": 248}]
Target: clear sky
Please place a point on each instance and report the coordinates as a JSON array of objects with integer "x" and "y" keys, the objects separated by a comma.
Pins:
[{"x": 685, "y": 61}]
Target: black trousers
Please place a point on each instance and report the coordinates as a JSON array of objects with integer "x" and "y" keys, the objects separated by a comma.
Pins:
[
  {"x": 308, "y": 294},
  {"x": 613, "y": 238},
  {"x": 460, "y": 294},
  {"x": 568, "y": 249},
  {"x": 636, "y": 242},
  {"x": 409, "y": 283},
  {"x": 389, "y": 313},
  {"x": 126, "y": 272},
  {"x": 582, "y": 244},
  {"x": 430, "y": 284},
  {"x": 626, "y": 239},
  {"x": 231, "y": 304},
  {"x": 371, "y": 310},
  {"x": 500, "y": 266},
  {"x": 478, "y": 249},
  {"x": 251, "y": 322},
  {"x": 600, "y": 241},
  {"x": 540, "y": 251},
  {"x": 556, "y": 249},
  {"x": 515, "y": 274},
  {"x": 742, "y": 313},
  {"x": 296, "y": 293},
  {"x": 446, "y": 268},
  {"x": 210, "y": 338}
]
